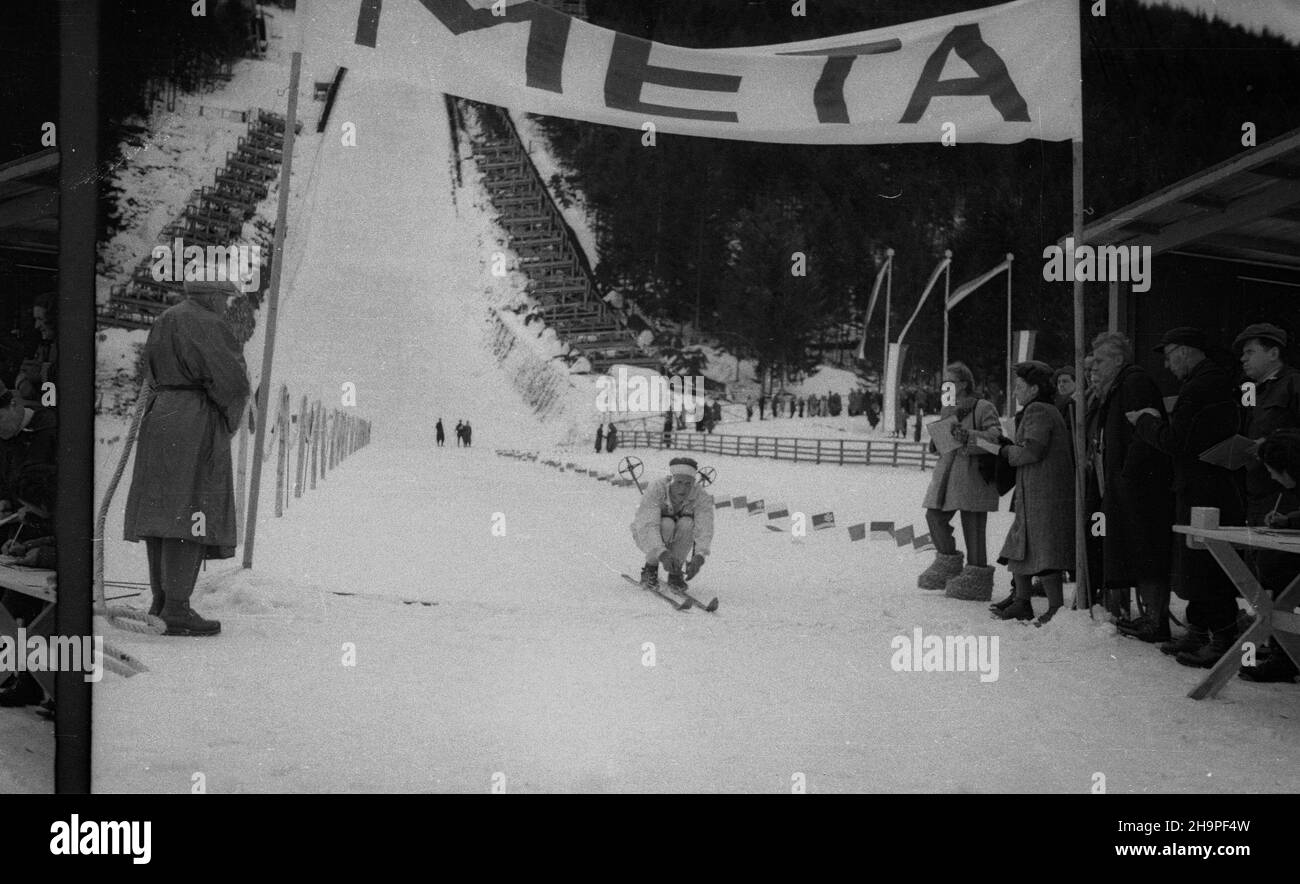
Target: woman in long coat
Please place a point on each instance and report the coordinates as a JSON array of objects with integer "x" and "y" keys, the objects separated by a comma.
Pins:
[
  {"x": 182, "y": 499},
  {"x": 957, "y": 485},
  {"x": 1041, "y": 540}
]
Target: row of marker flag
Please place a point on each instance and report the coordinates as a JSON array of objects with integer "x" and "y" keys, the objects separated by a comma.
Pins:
[{"x": 901, "y": 536}]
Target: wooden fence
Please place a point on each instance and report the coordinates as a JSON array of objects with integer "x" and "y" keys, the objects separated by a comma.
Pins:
[{"x": 875, "y": 452}]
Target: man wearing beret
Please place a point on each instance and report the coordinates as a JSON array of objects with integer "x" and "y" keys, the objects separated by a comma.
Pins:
[
  {"x": 1204, "y": 415},
  {"x": 182, "y": 501},
  {"x": 675, "y": 512},
  {"x": 1276, "y": 406}
]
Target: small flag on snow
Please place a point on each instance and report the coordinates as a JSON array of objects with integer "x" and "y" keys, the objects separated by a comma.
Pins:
[
  {"x": 903, "y": 536},
  {"x": 922, "y": 542},
  {"x": 782, "y": 513},
  {"x": 857, "y": 532},
  {"x": 738, "y": 502},
  {"x": 719, "y": 504},
  {"x": 823, "y": 520},
  {"x": 773, "y": 528},
  {"x": 756, "y": 506},
  {"x": 882, "y": 530}
]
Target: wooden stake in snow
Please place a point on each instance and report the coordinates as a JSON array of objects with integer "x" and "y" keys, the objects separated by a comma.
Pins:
[{"x": 272, "y": 305}]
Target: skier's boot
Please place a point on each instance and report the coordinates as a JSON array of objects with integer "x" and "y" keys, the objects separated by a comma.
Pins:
[
  {"x": 1192, "y": 640},
  {"x": 944, "y": 567},
  {"x": 650, "y": 576},
  {"x": 181, "y": 619},
  {"x": 1221, "y": 641},
  {"x": 973, "y": 584},
  {"x": 676, "y": 581},
  {"x": 156, "y": 606}
]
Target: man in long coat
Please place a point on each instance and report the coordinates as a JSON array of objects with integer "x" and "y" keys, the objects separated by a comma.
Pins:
[
  {"x": 1134, "y": 484},
  {"x": 182, "y": 500},
  {"x": 1204, "y": 415}
]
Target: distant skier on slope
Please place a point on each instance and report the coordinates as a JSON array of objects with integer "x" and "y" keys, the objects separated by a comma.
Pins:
[
  {"x": 441, "y": 436},
  {"x": 675, "y": 512}
]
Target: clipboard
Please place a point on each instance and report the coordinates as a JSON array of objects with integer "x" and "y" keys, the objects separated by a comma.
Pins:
[{"x": 941, "y": 435}]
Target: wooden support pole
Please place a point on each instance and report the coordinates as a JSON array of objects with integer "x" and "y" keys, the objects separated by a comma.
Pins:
[
  {"x": 281, "y": 451},
  {"x": 300, "y": 473},
  {"x": 241, "y": 477},
  {"x": 273, "y": 303}
]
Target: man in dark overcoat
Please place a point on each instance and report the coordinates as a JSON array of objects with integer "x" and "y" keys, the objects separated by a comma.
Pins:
[
  {"x": 1204, "y": 415},
  {"x": 182, "y": 499}
]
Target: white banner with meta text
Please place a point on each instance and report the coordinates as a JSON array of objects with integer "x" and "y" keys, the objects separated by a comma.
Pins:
[{"x": 1001, "y": 74}]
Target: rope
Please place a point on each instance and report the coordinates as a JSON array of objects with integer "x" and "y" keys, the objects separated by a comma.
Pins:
[{"x": 122, "y": 617}]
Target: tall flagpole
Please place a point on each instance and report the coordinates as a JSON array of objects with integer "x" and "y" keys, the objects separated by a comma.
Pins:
[
  {"x": 947, "y": 293},
  {"x": 272, "y": 309},
  {"x": 1010, "y": 355},
  {"x": 884, "y": 364}
]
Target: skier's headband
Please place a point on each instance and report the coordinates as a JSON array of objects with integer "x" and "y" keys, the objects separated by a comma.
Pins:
[{"x": 682, "y": 466}]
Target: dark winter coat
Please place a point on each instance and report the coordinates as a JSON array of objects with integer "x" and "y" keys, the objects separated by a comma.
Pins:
[
  {"x": 182, "y": 458},
  {"x": 600, "y": 437},
  {"x": 441, "y": 434},
  {"x": 1277, "y": 406},
  {"x": 611, "y": 438},
  {"x": 1204, "y": 415},
  {"x": 1042, "y": 536},
  {"x": 1137, "y": 502}
]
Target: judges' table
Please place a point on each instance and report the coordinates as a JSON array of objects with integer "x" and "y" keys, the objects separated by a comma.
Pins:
[
  {"x": 38, "y": 583},
  {"x": 1274, "y": 618}
]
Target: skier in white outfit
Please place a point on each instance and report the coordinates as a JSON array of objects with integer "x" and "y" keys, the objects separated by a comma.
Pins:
[{"x": 675, "y": 512}]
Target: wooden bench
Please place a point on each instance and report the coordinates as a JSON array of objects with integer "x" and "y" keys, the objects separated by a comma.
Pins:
[
  {"x": 38, "y": 583},
  {"x": 1275, "y": 618}
]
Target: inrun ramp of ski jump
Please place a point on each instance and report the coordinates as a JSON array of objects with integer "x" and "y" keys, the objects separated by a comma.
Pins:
[{"x": 464, "y": 658}]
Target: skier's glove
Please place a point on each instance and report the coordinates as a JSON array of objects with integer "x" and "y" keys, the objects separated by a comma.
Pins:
[{"x": 694, "y": 565}]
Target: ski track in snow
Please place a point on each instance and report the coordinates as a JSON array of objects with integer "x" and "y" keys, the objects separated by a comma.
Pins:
[{"x": 531, "y": 664}]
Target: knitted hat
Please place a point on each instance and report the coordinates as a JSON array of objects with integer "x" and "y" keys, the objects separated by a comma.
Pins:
[{"x": 683, "y": 466}]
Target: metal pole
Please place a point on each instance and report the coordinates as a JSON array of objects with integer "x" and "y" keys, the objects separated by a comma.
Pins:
[
  {"x": 1010, "y": 355},
  {"x": 947, "y": 283},
  {"x": 1082, "y": 596},
  {"x": 272, "y": 308},
  {"x": 889, "y": 291}
]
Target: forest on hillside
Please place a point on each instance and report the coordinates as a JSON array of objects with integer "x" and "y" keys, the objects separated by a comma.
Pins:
[{"x": 702, "y": 227}]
